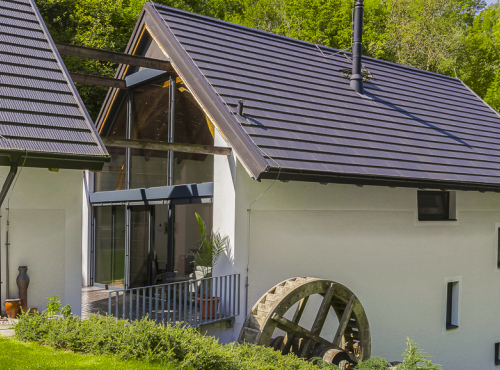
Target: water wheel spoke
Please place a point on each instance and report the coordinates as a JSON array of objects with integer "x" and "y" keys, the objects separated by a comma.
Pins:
[
  {"x": 320, "y": 319},
  {"x": 296, "y": 318},
  {"x": 344, "y": 321},
  {"x": 288, "y": 326}
]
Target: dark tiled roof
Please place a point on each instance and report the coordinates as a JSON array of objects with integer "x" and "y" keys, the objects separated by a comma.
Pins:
[
  {"x": 40, "y": 110},
  {"x": 303, "y": 121}
]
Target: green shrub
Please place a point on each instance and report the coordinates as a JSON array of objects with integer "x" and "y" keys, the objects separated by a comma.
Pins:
[
  {"x": 373, "y": 363},
  {"x": 184, "y": 347},
  {"x": 416, "y": 359},
  {"x": 144, "y": 340}
]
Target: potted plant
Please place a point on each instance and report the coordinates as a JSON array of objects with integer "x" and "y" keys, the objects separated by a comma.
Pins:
[{"x": 205, "y": 258}]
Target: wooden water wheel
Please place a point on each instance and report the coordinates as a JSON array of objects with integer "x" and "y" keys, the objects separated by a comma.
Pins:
[{"x": 351, "y": 341}]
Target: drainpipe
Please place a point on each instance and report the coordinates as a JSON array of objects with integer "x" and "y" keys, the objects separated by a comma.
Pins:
[
  {"x": 3, "y": 194},
  {"x": 357, "y": 77}
]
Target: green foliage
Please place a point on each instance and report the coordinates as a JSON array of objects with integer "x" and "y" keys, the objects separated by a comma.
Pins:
[
  {"x": 19, "y": 355},
  {"x": 185, "y": 348},
  {"x": 318, "y": 361},
  {"x": 54, "y": 307},
  {"x": 446, "y": 36},
  {"x": 416, "y": 359},
  {"x": 210, "y": 250},
  {"x": 373, "y": 363}
]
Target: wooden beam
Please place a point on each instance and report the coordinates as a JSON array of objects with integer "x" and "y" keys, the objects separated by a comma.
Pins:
[
  {"x": 320, "y": 319},
  {"x": 114, "y": 57},
  {"x": 164, "y": 146},
  {"x": 344, "y": 321},
  {"x": 288, "y": 326},
  {"x": 98, "y": 80},
  {"x": 296, "y": 318}
]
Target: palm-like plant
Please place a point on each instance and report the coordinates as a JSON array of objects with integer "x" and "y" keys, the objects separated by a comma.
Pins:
[{"x": 210, "y": 250}]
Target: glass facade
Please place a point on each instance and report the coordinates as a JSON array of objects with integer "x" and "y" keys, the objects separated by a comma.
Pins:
[
  {"x": 191, "y": 126},
  {"x": 187, "y": 235},
  {"x": 139, "y": 246},
  {"x": 112, "y": 176},
  {"x": 143, "y": 244},
  {"x": 150, "y": 121}
]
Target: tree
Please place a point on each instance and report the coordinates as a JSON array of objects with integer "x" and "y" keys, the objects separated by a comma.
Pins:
[
  {"x": 444, "y": 36},
  {"x": 479, "y": 59}
]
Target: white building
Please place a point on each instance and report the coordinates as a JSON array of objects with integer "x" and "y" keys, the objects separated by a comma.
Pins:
[
  {"x": 47, "y": 139},
  {"x": 392, "y": 192}
]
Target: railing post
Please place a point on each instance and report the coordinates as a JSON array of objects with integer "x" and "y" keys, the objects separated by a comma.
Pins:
[
  {"x": 163, "y": 304},
  {"x": 109, "y": 304},
  {"x": 156, "y": 305},
  {"x": 116, "y": 304},
  {"x": 185, "y": 301},
  {"x": 239, "y": 292},
  {"x": 124, "y": 303},
  {"x": 169, "y": 304},
  {"x": 131, "y": 296},
  {"x": 174, "y": 302},
  {"x": 150, "y": 304},
  {"x": 138, "y": 297},
  {"x": 234, "y": 294},
  {"x": 216, "y": 297},
  {"x": 143, "y": 302},
  {"x": 196, "y": 301}
]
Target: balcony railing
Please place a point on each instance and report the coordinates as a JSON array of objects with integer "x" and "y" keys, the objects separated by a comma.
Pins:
[{"x": 193, "y": 302}]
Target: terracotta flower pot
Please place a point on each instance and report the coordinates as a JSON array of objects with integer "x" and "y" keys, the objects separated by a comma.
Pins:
[
  {"x": 12, "y": 307},
  {"x": 209, "y": 306}
]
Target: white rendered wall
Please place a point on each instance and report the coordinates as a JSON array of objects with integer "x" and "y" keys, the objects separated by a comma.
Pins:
[
  {"x": 88, "y": 187},
  {"x": 45, "y": 234},
  {"x": 369, "y": 239},
  {"x": 224, "y": 223}
]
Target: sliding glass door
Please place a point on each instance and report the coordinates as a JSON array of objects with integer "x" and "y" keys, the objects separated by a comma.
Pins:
[
  {"x": 140, "y": 247},
  {"x": 110, "y": 246}
]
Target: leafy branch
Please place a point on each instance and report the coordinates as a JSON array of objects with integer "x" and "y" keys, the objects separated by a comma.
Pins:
[{"x": 210, "y": 250}]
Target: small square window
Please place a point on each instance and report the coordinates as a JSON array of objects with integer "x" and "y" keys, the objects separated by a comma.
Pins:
[
  {"x": 434, "y": 206},
  {"x": 497, "y": 354},
  {"x": 452, "y": 293}
]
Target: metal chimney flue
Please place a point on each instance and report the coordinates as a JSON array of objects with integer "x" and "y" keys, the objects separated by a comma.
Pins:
[{"x": 356, "y": 76}]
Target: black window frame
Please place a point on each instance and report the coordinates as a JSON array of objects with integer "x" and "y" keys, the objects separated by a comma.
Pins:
[
  {"x": 497, "y": 353},
  {"x": 444, "y": 198},
  {"x": 450, "y": 289},
  {"x": 498, "y": 247}
]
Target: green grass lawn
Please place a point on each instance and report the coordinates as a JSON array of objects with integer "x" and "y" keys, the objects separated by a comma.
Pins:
[{"x": 16, "y": 355}]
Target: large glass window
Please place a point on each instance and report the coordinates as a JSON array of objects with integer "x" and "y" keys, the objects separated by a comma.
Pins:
[
  {"x": 139, "y": 246},
  {"x": 187, "y": 235},
  {"x": 191, "y": 126},
  {"x": 112, "y": 176},
  {"x": 110, "y": 245},
  {"x": 150, "y": 120}
]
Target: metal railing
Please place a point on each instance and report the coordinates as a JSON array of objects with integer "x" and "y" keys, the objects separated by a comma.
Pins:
[{"x": 193, "y": 302}]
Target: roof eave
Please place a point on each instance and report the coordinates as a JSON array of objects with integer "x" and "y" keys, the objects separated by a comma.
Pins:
[
  {"x": 71, "y": 85},
  {"x": 53, "y": 160},
  {"x": 289, "y": 174}
]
